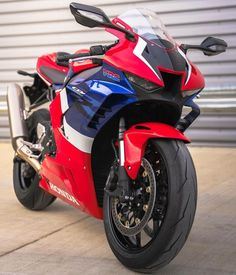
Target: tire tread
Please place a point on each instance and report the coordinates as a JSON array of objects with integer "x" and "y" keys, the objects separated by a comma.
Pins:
[{"x": 175, "y": 232}]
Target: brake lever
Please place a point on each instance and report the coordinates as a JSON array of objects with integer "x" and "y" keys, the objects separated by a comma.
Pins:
[{"x": 81, "y": 59}]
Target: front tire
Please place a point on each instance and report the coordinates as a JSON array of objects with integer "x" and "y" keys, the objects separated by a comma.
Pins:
[{"x": 173, "y": 214}]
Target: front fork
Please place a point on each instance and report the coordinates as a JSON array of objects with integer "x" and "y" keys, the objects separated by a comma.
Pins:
[
  {"x": 132, "y": 143},
  {"x": 118, "y": 183}
]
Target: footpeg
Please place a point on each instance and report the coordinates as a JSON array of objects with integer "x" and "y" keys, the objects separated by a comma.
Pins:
[
  {"x": 24, "y": 73},
  {"x": 33, "y": 146}
]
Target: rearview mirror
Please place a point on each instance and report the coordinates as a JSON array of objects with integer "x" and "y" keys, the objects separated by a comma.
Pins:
[
  {"x": 89, "y": 16},
  {"x": 92, "y": 17},
  {"x": 209, "y": 46},
  {"x": 213, "y": 46}
]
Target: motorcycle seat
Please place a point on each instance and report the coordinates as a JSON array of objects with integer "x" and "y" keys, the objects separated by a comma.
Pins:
[
  {"x": 56, "y": 77},
  {"x": 48, "y": 68}
]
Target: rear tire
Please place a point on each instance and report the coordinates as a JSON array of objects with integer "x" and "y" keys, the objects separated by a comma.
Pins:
[
  {"x": 169, "y": 236},
  {"x": 25, "y": 179}
]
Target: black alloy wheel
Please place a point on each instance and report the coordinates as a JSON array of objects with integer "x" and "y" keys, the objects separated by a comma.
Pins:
[{"x": 148, "y": 232}]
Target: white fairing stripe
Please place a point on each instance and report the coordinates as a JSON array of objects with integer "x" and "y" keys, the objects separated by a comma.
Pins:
[
  {"x": 189, "y": 65},
  {"x": 64, "y": 101},
  {"x": 138, "y": 50},
  {"x": 81, "y": 142}
]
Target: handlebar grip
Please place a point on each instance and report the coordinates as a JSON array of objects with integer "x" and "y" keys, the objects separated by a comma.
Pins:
[
  {"x": 94, "y": 50},
  {"x": 71, "y": 56}
]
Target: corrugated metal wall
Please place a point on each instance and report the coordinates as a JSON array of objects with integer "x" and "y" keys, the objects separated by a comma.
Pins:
[{"x": 30, "y": 28}]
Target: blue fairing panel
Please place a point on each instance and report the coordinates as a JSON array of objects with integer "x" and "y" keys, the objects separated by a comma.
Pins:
[{"x": 95, "y": 100}]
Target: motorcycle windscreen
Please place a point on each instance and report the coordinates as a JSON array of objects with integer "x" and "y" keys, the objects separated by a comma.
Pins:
[{"x": 161, "y": 50}]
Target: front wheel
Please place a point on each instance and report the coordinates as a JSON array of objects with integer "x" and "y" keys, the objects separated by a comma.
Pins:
[{"x": 149, "y": 231}]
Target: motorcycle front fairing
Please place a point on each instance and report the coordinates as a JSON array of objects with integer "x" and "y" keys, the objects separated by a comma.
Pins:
[
  {"x": 153, "y": 52},
  {"x": 85, "y": 116}
]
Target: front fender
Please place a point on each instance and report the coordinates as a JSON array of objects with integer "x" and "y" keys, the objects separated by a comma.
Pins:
[{"x": 135, "y": 140}]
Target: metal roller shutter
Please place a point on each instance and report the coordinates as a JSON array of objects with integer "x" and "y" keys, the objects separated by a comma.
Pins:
[{"x": 31, "y": 28}]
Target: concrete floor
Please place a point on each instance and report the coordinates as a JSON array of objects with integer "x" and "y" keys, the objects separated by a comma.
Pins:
[{"x": 63, "y": 240}]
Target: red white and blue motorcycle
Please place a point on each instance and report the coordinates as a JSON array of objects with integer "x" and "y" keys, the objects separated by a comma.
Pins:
[{"x": 112, "y": 141}]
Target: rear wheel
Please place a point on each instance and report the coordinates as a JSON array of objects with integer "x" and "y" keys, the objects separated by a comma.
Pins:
[
  {"x": 25, "y": 179},
  {"x": 148, "y": 232}
]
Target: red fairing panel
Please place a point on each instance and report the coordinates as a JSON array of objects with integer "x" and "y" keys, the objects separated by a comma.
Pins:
[
  {"x": 196, "y": 80},
  {"x": 81, "y": 66},
  {"x": 135, "y": 140},
  {"x": 69, "y": 176},
  {"x": 124, "y": 56},
  {"x": 49, "y": 60}
]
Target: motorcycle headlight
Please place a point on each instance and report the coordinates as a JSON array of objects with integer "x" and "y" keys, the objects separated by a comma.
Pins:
[{"x": 143, "y": 83}]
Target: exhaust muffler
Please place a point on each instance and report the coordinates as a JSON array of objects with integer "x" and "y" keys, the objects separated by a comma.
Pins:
[
  {"x": 16, "y": 106},
  {"x": 18, "y": 128}
]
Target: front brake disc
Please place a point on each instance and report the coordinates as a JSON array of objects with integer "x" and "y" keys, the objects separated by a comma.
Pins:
[{"x": 130, "y": 217}]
